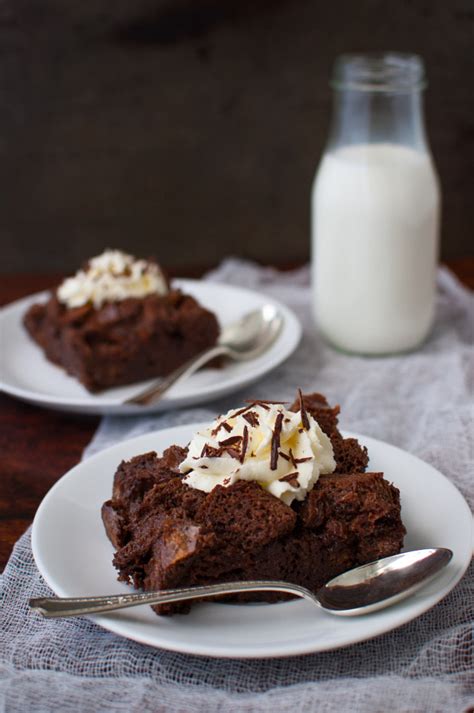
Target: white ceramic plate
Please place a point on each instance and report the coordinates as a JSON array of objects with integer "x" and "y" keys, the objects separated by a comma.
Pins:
[
  {"x": 28, "y": 375},
  {"x": 74, "y": 556}
]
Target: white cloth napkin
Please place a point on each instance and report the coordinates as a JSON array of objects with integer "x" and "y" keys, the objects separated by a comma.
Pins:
[{"x": 421, "y": 402}]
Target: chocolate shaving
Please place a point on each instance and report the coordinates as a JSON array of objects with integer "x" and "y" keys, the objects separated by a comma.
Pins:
[
  {"x": 243, "y": 410},
  {"x": 304, "y": 415},
  {"x": 252, "y": 418},
  {"x": 223, "y": 424},
  {"x": 291, "y": 478},
  {"x": 256, "y": 402},
  {"x": 211, "y": 452},
  {"x": 302, "y": 460},
  {"x": 245, "y": 443},
  {"x": 232, "y": 441},
  {"x": 284, "y": 455},
  {"x": 276, "y": 442},
  {"x": 204, "y": 467},
  {"x": 292, "y": 458}
]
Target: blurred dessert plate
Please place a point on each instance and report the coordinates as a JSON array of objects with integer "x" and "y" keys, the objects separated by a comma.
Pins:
[{"x": 26, "y": 374}]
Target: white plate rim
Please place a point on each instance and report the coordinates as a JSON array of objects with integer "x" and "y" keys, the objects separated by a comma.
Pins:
[
  {"x": 405, "y": 611},
  {"x": 284, "y": 346}
]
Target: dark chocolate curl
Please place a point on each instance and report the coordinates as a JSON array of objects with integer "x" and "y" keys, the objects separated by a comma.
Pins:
[
  {"x": 304, "y": 415},
  {"x": 245, "y": 443},
  {"x": 276, "y": 442},
  {"x": 231, "y": 441},
  {"x": 291, "y": 478}
]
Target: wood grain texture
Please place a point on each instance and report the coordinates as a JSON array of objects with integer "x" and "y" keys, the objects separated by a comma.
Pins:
[
  {"x": 187, "y": 128},
  {"x": 38, "y": 446}
]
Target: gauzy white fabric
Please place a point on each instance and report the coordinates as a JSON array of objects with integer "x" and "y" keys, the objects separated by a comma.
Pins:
[{"x": 420, "y": 402}]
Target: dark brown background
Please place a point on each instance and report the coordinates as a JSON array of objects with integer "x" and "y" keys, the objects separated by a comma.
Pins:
[{"x": 191, "y": 129}]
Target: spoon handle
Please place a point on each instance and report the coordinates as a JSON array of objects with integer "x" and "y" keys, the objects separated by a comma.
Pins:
[
  {"x": 153, "y": 393},
  {"x": 60, "y": 607}
]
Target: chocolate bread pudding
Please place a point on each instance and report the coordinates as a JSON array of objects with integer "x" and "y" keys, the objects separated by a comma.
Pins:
[
  {"x": 266, "y": 492},
  {"x": 118, "y": 321}
]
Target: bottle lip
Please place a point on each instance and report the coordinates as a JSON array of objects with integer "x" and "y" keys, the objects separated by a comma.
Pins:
[{"x": 390, "y": 72}]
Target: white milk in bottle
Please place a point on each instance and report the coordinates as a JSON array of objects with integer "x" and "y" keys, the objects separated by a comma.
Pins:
[{"x": 375, "y": 211}]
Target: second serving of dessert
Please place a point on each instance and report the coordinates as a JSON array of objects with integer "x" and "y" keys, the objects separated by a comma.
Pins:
[
  {"x": 118, "y": 321},
  {"x": 267, "y": 491}
]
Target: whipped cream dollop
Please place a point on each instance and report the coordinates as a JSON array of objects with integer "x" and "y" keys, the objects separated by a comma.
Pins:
[
  {"x": 111, "y": 277},
  {"x": 284, "y": 451}
]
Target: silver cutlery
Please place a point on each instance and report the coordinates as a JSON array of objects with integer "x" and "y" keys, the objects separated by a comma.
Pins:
[{"x": 361, "y": 590}]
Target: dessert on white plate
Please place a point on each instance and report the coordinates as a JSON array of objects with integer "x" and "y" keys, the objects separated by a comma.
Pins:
[
  {"x": 118, "y": 321},
  {"x": 28, "y": 375}
]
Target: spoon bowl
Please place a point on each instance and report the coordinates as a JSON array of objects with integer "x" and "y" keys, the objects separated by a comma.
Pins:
[
  {"x": 251, "y": 334},
  {"x": 359, "y": 591},
  {"x": 379, "y": 584}
]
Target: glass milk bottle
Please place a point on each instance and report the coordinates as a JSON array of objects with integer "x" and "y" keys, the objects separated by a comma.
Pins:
[{"x": 375, "y": 210}]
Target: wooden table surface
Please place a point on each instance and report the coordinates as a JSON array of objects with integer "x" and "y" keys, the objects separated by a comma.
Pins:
[{"x": 38, "y": 446}]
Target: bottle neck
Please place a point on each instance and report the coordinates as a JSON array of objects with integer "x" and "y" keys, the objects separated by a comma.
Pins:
[{"x": 362, "y": 117}]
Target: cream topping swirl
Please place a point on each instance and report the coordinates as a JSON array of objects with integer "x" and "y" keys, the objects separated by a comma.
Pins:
[
  {"x": 111, "y": 277},
  {"x": 284, "y": 451}
]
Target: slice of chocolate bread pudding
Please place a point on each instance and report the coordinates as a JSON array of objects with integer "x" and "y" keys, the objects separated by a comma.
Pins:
[
  {"x": 118, "y": 321},
  {"x": 311, "y": 513}
]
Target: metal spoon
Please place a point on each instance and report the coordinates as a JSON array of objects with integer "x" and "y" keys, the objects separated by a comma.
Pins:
[
  {"x": 359, "y": 591},
  {"x": 245, "y": 339}
]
